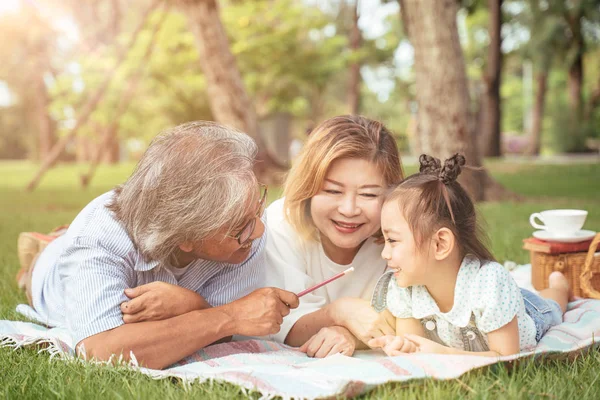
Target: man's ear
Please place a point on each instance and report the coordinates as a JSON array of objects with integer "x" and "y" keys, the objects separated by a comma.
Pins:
[
  {"x": 186, "y": 247},
  {"x": 444, "y": 242}
]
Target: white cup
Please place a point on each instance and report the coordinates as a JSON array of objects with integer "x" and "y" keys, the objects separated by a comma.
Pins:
[{"x": 559, "y": 222}]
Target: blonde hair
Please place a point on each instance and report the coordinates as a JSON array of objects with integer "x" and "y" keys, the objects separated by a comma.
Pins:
[
  {"x": 346, "y": 136},
  {"x": 193, "y": 180}
]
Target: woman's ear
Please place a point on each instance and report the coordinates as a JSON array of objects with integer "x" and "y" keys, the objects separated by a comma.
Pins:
[{"x": 444, "y": 242}]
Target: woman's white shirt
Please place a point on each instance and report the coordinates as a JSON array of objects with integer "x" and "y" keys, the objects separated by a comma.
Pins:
[{"x": 295, "y": 264}]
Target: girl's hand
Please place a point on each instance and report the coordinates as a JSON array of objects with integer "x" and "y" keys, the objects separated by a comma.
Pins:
[
  {"x": 361, "y": 319},
  {"x": 393, "y": 345},
  {"x": 158, "y": 301},
  {"x": 329, "y": 341},
  {"x": 424, "y": 345}
]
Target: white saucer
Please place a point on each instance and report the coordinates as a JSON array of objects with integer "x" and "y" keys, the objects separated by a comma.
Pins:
[{"x": 578, "y": 236}]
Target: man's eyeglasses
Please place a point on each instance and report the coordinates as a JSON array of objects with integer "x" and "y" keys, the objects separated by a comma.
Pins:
[{"x": 246, "y": 232}]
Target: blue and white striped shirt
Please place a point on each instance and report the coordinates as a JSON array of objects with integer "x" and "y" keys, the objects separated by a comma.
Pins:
[{"x": 80, "y": 278}]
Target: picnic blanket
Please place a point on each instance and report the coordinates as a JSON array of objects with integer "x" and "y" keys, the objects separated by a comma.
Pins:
[{"x": 275, "y": 369}]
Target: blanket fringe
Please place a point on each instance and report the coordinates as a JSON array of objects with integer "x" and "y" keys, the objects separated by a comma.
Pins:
[
  {"x": 58, "y": 348},
  {"x": 9, "y": 341},
  {"x": 51, "y": 346}
]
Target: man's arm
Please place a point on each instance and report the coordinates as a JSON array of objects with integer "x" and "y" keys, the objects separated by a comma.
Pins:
[
  {"x": 158, "y": 344},
  {"x": 158, "y": 300}
]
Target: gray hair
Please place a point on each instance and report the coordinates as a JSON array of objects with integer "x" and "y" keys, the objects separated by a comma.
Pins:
[{"x": 193, "y": 180}]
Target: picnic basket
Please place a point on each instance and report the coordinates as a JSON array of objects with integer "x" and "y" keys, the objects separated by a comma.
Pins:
[{"x": 582, "y": 269}]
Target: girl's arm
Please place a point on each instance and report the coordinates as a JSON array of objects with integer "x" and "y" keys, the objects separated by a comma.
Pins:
[
  {"x": 502, "y": 342},
  {"x": 394, "y": 345},
  {"x": 409, "y": 326}
]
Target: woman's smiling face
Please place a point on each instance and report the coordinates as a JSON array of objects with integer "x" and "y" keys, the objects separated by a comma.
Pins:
[{"x": 347, "y": 209}]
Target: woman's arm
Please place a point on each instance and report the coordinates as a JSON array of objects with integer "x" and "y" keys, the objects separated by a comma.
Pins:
[
  {"x": 354, "y": 314},
  {"x": 307, "y": 326},
  {"x": 329, "y": 341}
]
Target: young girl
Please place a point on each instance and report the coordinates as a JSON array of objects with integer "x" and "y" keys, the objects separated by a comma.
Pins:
[{"x": 447, "y": 293}]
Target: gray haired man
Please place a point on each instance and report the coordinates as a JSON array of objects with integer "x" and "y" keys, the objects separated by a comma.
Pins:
[{"x": 169, "y": 262}]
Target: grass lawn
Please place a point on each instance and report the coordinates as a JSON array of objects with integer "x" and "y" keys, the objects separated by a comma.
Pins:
[{"x": 27, "y": 374}]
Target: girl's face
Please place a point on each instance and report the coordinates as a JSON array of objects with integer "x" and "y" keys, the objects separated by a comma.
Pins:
[
  {"x": 347, "y": 209},
  {"x": 400, "y": 250}
]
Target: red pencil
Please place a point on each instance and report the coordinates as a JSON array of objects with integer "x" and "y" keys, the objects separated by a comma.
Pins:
[{"x": 325, "y": 282}]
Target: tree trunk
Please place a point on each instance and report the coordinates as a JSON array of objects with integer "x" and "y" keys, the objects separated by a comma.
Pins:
[
  {"x": 442, "y": 94},
  {"x": 575, "y": 84},
  {"x": 275, "y": 131},
  {"x": 228, "y": 99},
  {"x": 492, "y": 113},
  {"x": 108, "y": 148},
  {"x": 46, "y": 127},
  {"x": 354, "y": 79},
  {"x": 593, "y": 102},
  {"x": 113, "y": 151},
  {"x": 575, "y": 77},
  {"x": 537, "y": 117},
  {"x": 84, "y": 149},
  {"x": 101, "y": 149}
]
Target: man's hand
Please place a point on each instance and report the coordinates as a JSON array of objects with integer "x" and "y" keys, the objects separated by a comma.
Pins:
[
  {"x": 157, "y": 301},
  {"x": 393, "y": 345},
  {"x": 329, "y": 341},
  {"x": 361, "y": 319},
  {"x": 261, "y": 312}
]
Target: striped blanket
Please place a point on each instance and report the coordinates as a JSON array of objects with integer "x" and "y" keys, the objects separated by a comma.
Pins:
[{"x": 278, "y": 370}]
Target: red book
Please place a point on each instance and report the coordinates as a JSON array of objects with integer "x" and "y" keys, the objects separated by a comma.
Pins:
[{"x": 555, "y": 247}]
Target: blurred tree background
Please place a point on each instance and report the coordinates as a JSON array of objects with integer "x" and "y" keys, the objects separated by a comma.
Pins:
[{"x": 94, "y": 82}]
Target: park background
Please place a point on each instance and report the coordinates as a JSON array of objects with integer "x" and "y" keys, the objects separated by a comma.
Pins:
[{"x": 85, "y": 86}]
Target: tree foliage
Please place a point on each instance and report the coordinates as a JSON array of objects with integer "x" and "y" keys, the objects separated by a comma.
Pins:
[{"x": 294, "y": 58}]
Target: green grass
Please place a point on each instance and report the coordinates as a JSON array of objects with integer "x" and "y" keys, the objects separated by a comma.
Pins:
[{"x": 27, "y": 374}]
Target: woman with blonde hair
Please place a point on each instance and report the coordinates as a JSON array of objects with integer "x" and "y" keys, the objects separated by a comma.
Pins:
[{"x": 328, "y": 221}]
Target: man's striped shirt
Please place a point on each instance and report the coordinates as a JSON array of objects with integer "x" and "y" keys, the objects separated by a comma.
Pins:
[{"x": 80, "y": 278}]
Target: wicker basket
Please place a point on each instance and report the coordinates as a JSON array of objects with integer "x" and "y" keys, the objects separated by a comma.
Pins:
[{"x": 581, "y": 269}]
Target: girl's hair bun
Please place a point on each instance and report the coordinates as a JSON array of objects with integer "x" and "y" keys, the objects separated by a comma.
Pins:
[
  {"x": 452, "y": 168},
  {"x": 447, "y": 173},
  {"x": 429, "y": 164}
]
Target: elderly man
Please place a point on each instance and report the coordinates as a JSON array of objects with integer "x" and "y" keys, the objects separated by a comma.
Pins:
[{"x": 169, "y": 262}]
